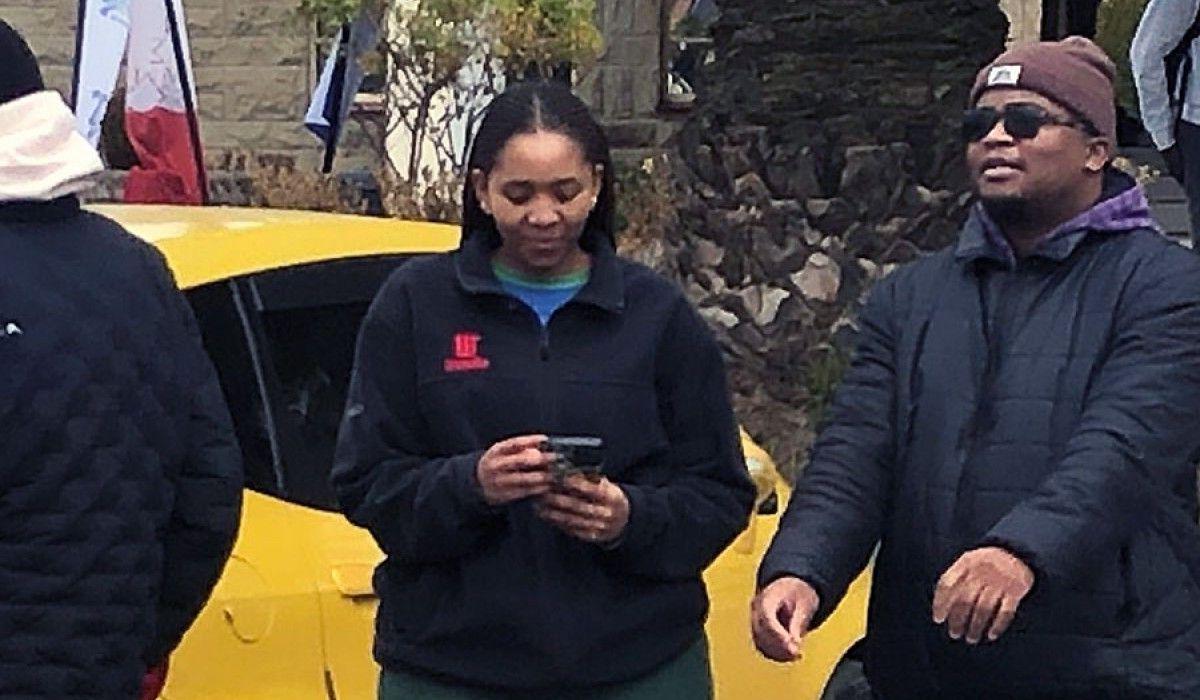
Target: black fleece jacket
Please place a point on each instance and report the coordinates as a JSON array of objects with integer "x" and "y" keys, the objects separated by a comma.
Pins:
[{"x": 448, "y": 364}]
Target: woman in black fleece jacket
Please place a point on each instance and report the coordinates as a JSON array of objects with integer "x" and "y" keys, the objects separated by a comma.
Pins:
[{"x": 502, "y": 580}]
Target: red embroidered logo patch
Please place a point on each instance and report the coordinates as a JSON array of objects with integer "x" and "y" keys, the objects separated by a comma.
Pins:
[{"x": 466, "y": 354}]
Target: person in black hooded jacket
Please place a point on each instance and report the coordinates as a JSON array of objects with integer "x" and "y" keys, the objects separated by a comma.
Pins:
[
  {"x": 120, "y": 477},
  {"x": 501, "y": 581}
]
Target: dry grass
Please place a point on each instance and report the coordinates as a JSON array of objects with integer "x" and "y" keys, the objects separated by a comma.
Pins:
[
  {"x": 1141, "y": 173},
  {"x": 645, "y": 201},
  {"x": 274, "y": 182},
  {"x": 440, "y": 199},
  {"x": 645, "y": 205},
  {"x": 277, "y": 183}
]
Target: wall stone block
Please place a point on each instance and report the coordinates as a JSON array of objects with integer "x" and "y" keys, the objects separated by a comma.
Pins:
[
  {"x": 246, "y": 100},
  {"x": 238, "y": 51}
]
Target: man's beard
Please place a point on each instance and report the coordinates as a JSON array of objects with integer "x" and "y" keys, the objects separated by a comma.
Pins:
[{"x": 1008, "y": 212}]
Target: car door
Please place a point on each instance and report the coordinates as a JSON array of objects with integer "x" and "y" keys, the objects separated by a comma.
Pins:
[
  {"x": 259, "y": 636},
  {"x": 310, "y": 316},
  {"x": 739, "y": 671}
]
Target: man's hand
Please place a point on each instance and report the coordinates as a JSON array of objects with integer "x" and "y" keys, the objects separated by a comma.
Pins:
[
  {"x": 780, "y": 615},
  {"x": 1174, "y": 159},
  {"x": 591, "y": 511},
  {"x": 513, "y": 469},
  {"x": 980, "y": 593}
]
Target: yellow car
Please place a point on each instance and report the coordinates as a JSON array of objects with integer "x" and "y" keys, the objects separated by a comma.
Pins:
[{"x": 279, "y": 296}]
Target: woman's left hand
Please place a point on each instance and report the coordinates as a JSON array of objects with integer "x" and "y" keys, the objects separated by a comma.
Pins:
[{"x": 591, "y": 511}]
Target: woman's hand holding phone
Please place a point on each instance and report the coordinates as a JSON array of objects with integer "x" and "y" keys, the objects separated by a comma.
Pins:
[
  {"x": 593, "y": 511},
  {"x": 513, "y": 469}
]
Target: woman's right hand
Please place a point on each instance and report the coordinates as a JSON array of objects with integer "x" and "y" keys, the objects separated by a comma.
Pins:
[{"x": 513, "y": 469}]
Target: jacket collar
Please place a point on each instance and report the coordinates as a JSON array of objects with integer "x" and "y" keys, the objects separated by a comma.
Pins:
[
  {"x": 39, "y": 211},
  {"x": 604, "y": 289},
  {"x": 1122, "y": 207}
]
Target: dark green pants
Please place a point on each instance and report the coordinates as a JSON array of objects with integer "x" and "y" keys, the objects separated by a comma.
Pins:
[{"x": 687, "y": 677}]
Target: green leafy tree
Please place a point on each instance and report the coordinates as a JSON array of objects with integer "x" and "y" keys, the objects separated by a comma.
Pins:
[
  {"x": 330, "y": 12},
  {"x": 540, "y": 36}
]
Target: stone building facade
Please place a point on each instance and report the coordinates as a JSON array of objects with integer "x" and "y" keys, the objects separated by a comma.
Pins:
[
  {"x": 1024, "y": 20},
  {"x": 626, "y": 87},
  {"x": 255, "y": 66}
]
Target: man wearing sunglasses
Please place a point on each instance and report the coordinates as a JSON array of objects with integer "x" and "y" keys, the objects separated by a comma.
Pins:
[{"x": 1018, "y": 429}]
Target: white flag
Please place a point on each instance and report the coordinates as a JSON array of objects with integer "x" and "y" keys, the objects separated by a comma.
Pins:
[{"x": 102, "y": 36}]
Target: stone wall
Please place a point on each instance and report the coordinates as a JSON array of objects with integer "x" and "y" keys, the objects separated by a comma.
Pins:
[
  {"x": 823, "y": 151},
  {"x": 254, "y": 73},
  {"x": 251, "y": 61},
  {"x": 624, "y": 89},
  {"x": 1025, "y": 20},
  {"x": 49, "y": 27}
]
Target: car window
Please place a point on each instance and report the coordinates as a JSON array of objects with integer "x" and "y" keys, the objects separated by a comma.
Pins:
[
  {"x": 221, "y": 313},
  {"x": 310, "y": 317}
]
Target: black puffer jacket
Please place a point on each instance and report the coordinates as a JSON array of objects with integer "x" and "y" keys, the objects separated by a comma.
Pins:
[
  {"x": 120, "y": 478},
  {"x": 1049, "y": 405}
]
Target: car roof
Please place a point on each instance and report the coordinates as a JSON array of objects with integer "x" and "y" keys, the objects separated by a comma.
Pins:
[{"x": 206, "y": 244}]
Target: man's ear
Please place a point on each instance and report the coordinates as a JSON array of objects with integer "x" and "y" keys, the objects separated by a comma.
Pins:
[
  {"x": 1100, "y": 152},
  {"x": 479, "y": 182}
]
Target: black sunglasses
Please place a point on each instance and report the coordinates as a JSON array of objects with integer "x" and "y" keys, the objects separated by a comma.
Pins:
[{"x": 1021, "y": 121}]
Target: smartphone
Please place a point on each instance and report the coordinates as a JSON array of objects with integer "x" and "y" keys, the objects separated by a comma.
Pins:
[{"x": 577, "y": 454}]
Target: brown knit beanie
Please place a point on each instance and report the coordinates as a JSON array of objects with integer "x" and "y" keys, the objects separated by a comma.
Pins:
[{"x": 1074, "y": 72}]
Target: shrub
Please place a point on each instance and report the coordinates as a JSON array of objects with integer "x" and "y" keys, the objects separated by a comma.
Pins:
[
  {"x": 645, "y": 205},
  {"x": 277, "y": 183}
]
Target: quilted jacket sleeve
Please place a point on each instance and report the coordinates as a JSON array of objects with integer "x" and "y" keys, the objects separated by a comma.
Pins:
[
  {"x": 678, "y": 528},
  {"x": 835, "y": 515},
  {"x": 208, "y": 487},
  {"x": 1137, "y": 435},
  {"x": 418, "y": 506}
]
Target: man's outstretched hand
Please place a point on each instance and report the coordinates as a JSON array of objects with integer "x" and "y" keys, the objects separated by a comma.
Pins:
[
  {"x": 780, "y": 615},
  {"x": 980, "y": 594}
]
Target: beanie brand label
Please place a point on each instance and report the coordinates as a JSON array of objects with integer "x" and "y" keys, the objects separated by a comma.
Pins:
[{"x": 1004, "y": 75}]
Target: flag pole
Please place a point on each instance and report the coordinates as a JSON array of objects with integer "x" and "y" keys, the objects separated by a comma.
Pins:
[
  {"x": 75, "y": 77},
  {"x": 189, "y": 104}
]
